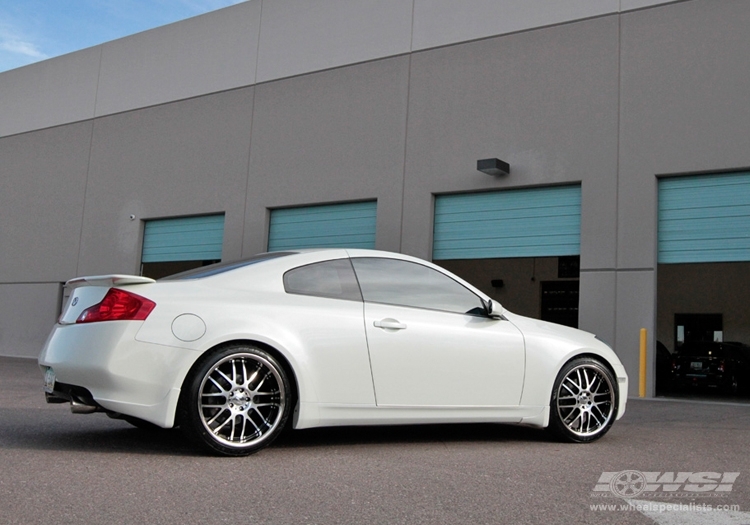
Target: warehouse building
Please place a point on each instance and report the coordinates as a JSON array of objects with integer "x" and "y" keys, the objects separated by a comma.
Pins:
[{"x": 612, "y": 135}]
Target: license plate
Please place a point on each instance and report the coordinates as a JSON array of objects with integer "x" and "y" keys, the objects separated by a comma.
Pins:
[
  {"x": 49, "y": 380},
  {"x": 696, "y": 365}
]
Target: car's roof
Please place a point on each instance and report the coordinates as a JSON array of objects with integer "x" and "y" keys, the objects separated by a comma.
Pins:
[
  {"x": 266, "y": 268},
  {"x": 291, "y": 258}
]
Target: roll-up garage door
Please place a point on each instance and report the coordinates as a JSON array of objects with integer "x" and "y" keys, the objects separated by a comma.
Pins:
[
  {"x": 704, "y": 218},
  {"x": 536, "y": 222},
  {"x": 183, "y": 239},
  {"x": 349, "y": 225}
]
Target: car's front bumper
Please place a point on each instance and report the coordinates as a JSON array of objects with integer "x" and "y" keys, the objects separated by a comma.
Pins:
[{"x": 622, "y": 384}]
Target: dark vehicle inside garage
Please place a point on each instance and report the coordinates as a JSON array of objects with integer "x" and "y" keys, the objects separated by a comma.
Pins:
[{"x": 722, "y": 367}]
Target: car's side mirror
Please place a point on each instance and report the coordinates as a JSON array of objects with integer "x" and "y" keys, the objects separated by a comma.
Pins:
[{"x": 491, "y": 310}]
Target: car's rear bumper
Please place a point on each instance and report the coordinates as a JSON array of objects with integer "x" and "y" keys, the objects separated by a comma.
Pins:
[
  {"x": 702, "y": 380},
  {"x": 123, "y": 375}
]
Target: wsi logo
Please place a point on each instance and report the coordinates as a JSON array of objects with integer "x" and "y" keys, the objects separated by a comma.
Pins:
[{"x": 632, "y": 483}]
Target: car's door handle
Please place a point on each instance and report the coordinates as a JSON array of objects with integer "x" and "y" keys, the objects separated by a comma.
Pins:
[{"x": 389, "y": 324}]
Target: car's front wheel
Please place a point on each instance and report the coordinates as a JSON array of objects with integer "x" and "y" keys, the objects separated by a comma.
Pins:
[
  {"x": 236, "y": 401},
  {"x": 584, "y": 401}
]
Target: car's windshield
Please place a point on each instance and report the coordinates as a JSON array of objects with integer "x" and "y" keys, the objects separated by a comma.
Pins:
[{"x": 215, "y": 269}]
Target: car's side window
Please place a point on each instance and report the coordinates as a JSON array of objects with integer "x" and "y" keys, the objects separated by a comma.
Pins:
[
  {"x": 334, "y": 279},
  {"x": 404, "y": 283}
]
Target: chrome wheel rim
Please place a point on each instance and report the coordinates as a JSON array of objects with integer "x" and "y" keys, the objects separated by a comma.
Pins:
[
  {"x": 586, "y": 400},
  {"x": 241, "y": 400}
]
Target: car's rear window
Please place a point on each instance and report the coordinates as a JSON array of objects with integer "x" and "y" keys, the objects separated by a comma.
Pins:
[{"x": 215, "y": 269}]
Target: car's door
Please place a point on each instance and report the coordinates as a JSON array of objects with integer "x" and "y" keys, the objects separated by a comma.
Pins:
[
  {"x": 429, "y": 342},
  {"x": 325, "y": 312}
]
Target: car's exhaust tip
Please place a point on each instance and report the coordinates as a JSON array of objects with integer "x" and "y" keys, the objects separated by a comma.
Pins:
[
  {"x": 81, "y": 400},
  {"x": 76, "y": 407}
]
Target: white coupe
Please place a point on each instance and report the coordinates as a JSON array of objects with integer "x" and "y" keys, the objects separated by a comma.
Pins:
[{"x": 234, "y": 351}]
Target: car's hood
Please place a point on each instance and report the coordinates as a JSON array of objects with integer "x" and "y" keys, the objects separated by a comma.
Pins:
[{"x": 537, "y": 326}]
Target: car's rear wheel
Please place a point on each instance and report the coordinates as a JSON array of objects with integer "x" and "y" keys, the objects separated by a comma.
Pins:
[
  {"x": 584, "y": 401},
  {"x": 236, "y": 401}
]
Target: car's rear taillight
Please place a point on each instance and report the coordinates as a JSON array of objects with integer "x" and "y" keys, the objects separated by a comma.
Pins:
[{"x": 118, "y": 305}]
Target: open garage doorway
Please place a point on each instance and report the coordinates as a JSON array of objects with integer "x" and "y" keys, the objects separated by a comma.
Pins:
[
  {"x": 520, "y": 246},
  {"x": 540, "y": 287},
  {"x": 703, "y": 287},
  {"x": 703, "y": 329}
]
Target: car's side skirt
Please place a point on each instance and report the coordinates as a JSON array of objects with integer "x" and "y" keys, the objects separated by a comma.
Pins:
[{"x": 328, "y": 415}]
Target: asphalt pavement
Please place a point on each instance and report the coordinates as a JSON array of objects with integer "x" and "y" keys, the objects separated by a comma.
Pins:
[{"x": 57, "y": 467}]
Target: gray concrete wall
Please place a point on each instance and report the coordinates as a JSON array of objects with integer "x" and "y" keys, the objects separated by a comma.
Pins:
[
  {"x": 42, "y": 195},
  {"x": 260, "y": 41},
  {"x": 206, "y": 54},
  {"x": 330, "y": 137},
  {"x": 611, "y": 100},
  {"x": 184, "y": 158}
]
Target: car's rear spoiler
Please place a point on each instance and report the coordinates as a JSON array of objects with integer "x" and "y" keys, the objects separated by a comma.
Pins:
[{"x": 107, "y": 280}]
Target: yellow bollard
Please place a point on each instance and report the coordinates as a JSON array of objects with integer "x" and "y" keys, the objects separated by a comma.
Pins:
[{"x": 642, "y": 382}]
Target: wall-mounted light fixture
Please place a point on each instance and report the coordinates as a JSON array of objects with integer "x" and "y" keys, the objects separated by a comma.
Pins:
[{"x": 493, "y": 167}]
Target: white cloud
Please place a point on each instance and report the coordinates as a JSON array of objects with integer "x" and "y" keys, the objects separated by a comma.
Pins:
[
  {"x": 13, "y": 41},
  {"x": 22, "y": 48}
]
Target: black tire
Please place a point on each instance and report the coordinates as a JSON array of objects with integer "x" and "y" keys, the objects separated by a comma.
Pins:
[
  {"x": 236, "y": 401},
  {"x": 584, "y": 401}
]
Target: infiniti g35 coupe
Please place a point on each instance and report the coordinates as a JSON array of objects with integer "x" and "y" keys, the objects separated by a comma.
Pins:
[{"x": 234, "y": 352}]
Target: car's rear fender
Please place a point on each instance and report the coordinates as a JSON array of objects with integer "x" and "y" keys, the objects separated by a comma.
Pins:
[
  {"x": 281, "y": 357},
  {"x": 245, "y": 326},
  {"x": 293, "y": 325}
]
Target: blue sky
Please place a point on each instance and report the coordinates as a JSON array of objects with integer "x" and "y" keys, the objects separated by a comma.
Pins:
[{"x": 33, "y": 30}]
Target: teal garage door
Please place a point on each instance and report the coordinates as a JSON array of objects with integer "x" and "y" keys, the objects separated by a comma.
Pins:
[
  {"x": 183, "y": 239},
  {"x": 704, "y": 218},
  {"x": 349, "y": 225},
  {"x": 534, "y": 222}
]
